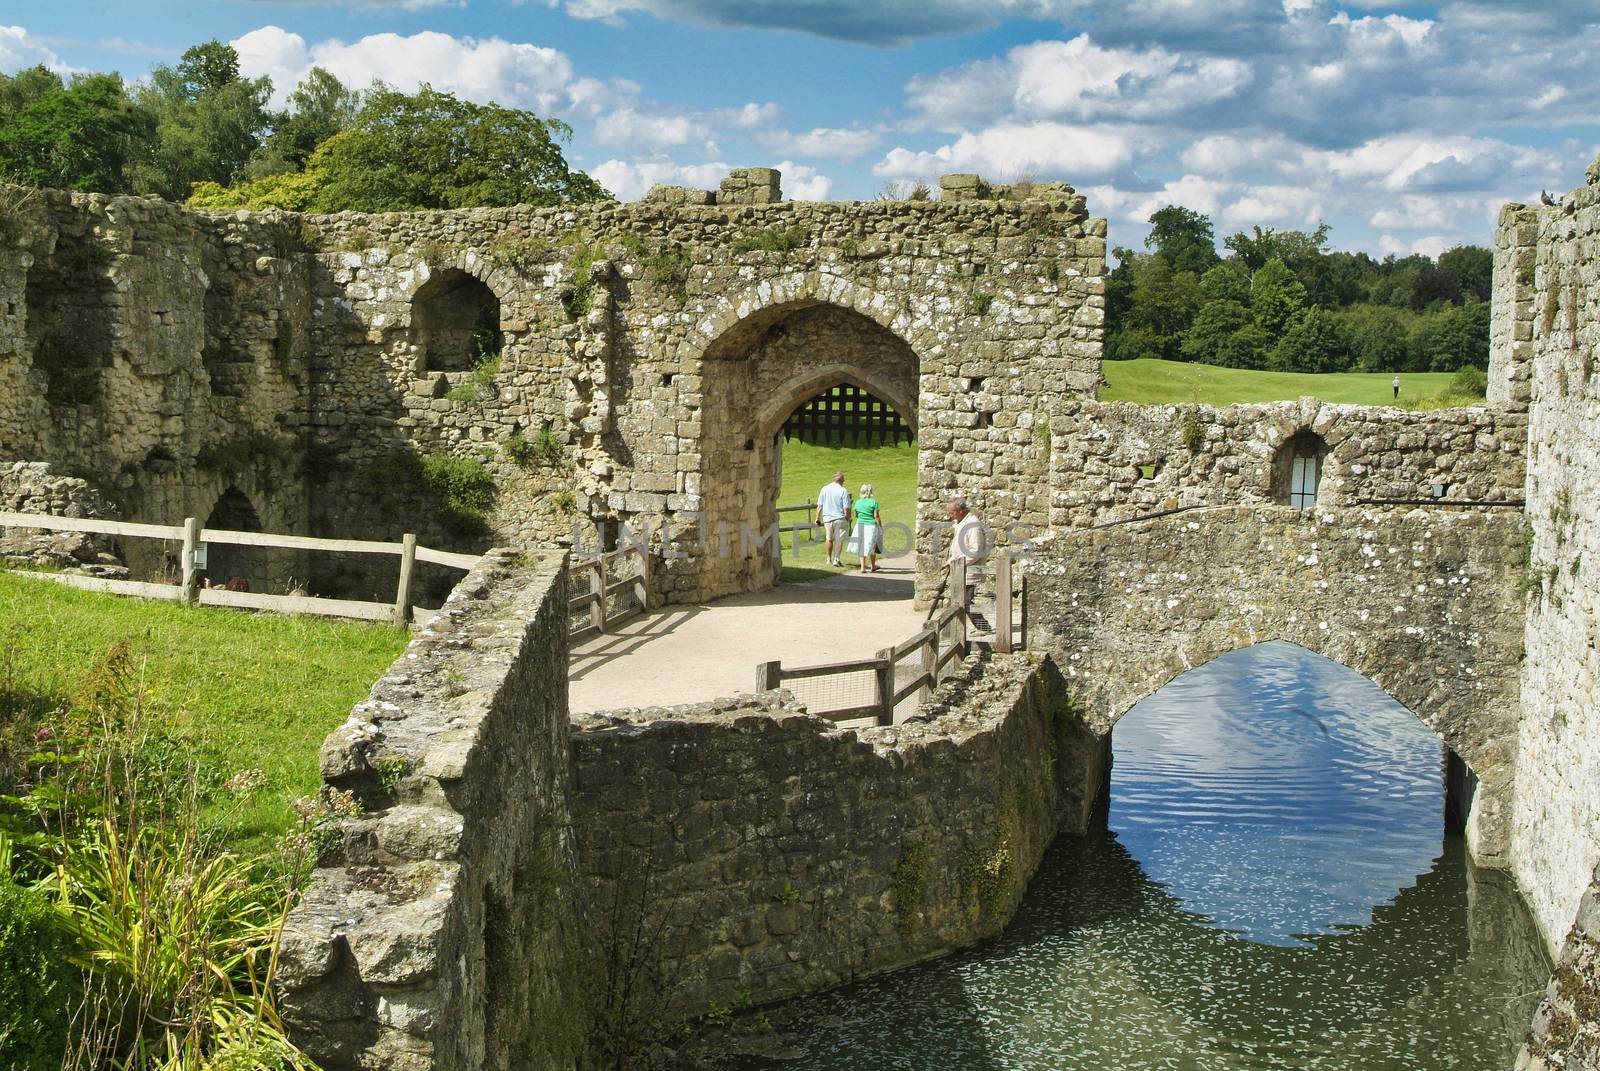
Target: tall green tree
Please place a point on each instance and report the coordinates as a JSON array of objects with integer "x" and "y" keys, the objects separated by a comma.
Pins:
[
  {"x": 1184, "y": 237},
  {"x": 209, "y": 121},
  {"x": 320, "y": 107},
  {"x": 1472, "y": 268},
  {"x": 1277, "y": 298},
  {"x": 75, "y": 136},
  {"x": 1314, "y": 342},
  {"x": 433, "y": 150}
]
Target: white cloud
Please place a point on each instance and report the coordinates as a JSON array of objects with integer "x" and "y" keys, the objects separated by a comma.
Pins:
[
  {"x": 804, "y": 183},
  {"x": 632, "y": 179},
  {"x": 1431, "y": 246},
  {"x": 478, "y": 69},
  {"x": 834, "y": 142},
  {"x": 20, "y": 50},
  {"x": 1010, "y": 150},
  {"x": 630, "y": 128}
]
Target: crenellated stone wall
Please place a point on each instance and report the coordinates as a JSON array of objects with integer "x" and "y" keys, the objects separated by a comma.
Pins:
[{"x": 598, "y": 365}]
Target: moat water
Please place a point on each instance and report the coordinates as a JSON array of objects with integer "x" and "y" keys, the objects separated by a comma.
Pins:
[{"x": 1274, "y": 890}]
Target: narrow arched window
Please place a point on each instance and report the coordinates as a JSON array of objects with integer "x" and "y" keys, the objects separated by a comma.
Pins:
[{"x": 1297, "y": 472}]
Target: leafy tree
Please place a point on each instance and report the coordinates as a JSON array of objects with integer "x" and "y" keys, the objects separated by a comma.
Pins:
[
  {"x": 1276, "y": 296},
  {"x": 1472, "y": 268},
  {"x": 1334, "y": 280},
  {"x": 1184, "y": 237},
  {"x": 1452, "y": 339},
  {"x": 1246, "y": 348},
  {"x": 1161, "y": 302},
  {"x": 1295, "y": 248},
  {"x": 77, "y": 137},
  {"x": 209, "y": 121},
  {"x": 320, "y": 107},
  {"x": 1378, "y": 338},
  {"x": 1212, "y": 327},
  {"x": 430, "y": 149},
  {"x": 1315, "y": 342},
  {"x": 1228, "y": 281},
  {"x": 1432, "y": 286}
]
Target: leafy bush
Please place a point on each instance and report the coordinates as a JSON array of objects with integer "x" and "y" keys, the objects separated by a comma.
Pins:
[
  {"x": 1470, "y": 380},
  {"x": 772, "y": 240},
  {"x": 465, "y": 490},
  {"x": 39, "y": 988}
]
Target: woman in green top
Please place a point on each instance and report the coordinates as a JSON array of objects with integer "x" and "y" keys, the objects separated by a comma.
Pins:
[{"x": 867, "y": 538}]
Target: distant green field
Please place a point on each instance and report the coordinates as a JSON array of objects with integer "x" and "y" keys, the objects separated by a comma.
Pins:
[
  {"x": 892, "y": 471},
  {"x": 1167, "y": 382}
]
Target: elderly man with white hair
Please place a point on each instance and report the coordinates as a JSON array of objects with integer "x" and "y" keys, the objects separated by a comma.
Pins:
[{"x": 970, "y": 539}]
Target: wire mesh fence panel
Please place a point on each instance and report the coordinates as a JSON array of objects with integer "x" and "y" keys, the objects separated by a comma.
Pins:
[
  {"x": 907, "y": 668},
  {"x": 836, "y": 691}
]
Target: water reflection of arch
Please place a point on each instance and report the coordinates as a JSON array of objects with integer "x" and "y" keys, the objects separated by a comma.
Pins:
[{"x": 780, "y": 353}]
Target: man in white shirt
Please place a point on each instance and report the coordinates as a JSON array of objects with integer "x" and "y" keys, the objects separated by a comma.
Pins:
[
  {"x": 970, "y": 539},
  {"x": 833, "y": 513}
]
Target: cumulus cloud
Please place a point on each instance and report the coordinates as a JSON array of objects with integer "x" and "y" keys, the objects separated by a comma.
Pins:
[
  {"x": 632, "y": 179},
  {"x": 627, "y": 127},
  {"x": 833, "y": 142},
  {"x": 480, "y": 69},
  {"x": 20, "y": 49},
  {"x": 1011, "y": 150},
  {"x": 802, "y": 182}
]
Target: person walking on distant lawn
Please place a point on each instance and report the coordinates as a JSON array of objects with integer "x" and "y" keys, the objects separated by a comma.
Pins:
[
  {"x": 867, "y": 538},
  {"x": 833, "y": 513},
  {"x": 1395, "y": 383}
]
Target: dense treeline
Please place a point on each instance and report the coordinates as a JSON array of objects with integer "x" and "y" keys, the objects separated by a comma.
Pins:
[
  {"x": 1282, "y": 300},
  {"x": 200, "y": 131}
]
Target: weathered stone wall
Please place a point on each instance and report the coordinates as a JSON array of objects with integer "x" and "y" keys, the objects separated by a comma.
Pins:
[
  {"x": 1566, "y": 1029},
  {"x": 120, "y": 318},
  {"x": 1198, "y": 455},
  {"x": 641, "y": 348},
  {"x": 783, "y": 855},
  {"x": 31, "y": 487},
  {"x": 1423, "y": 601},
  {"x": 1556, "y": 843},
  {"x": 441, "y": 933}
]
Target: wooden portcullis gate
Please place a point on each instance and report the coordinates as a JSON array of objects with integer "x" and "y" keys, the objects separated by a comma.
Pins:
[{"x": 847, "y": 415}]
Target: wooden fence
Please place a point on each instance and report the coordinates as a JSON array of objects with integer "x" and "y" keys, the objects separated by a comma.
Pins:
[
  {"x": 592, "y": 577},
  {"x": 194, "y": 538},
  {"x": 809, "y": 509}
]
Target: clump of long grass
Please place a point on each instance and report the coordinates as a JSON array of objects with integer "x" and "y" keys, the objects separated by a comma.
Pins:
[{"x": 175, "y": 937}]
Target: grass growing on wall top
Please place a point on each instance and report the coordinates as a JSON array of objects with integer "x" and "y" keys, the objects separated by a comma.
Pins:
[
  {"x": 1168, "y": 382},
  {"x": 892, "y": 470},
  {"x": 246, "y": 691}
]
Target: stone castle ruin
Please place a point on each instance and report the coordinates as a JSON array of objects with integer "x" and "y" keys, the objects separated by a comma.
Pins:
[{"x": 537, "y": 378}]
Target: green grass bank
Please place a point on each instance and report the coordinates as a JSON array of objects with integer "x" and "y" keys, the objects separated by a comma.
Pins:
[
  {"x": 1168, "y": 382},
  {"x": 243, "y": 691}
]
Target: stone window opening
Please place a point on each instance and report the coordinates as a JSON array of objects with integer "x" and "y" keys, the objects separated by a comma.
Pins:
[
  {"x": 455, "y": 322},
  {"x": 1297, "y": 470},
  {"x": 237, "y": 567}
]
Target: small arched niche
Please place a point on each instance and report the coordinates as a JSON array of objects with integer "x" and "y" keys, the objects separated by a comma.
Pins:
[
  {"x": 1297, "y": 470},
  {"x": 455, "y": 322},
  {"x": 230, "y": 565}
]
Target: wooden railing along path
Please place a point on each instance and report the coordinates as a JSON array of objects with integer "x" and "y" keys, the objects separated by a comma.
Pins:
[
  {"x": 931, "y": 649},
  {"x": 193, "y": 537}
]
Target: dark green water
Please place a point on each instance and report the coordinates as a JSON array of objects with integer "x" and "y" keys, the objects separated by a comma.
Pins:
[{"x": 1274, "y": 891}]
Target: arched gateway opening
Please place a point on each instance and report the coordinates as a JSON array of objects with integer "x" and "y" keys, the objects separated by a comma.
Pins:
[{"x": 803, "y": 371}]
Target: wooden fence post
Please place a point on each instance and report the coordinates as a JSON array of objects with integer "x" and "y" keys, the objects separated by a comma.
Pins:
[
  {"x": 884, "y": 673},
  {"x": 597, "y": 588},
  {"x": 1002, "y": 604},
  {"x": 930, "y": 664},
  {"x": 191, "y": 575},
  {"x": 768, "y": 676},
  {"x": 958, "y": 576},
  {"x": 402, "y": 594},
  {"x": 641, "y": 588}
]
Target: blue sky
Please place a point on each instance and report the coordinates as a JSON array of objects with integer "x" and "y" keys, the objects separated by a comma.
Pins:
[{"x": 1404, "y": 126}]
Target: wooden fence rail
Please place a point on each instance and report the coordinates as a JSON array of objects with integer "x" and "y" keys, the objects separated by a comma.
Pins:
[
  {"x": 589, "y": 575},
  {"x": 194, "y": 538}
]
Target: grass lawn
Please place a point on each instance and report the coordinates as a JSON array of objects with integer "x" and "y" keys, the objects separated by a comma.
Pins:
[
  {"x": 1177, "y": 381},
  {"x": 892, "y": 471},
  {"x": 244, "y": 690}
]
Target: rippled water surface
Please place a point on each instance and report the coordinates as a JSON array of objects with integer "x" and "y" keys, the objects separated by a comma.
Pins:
[{"x": 1274, "y": 892}]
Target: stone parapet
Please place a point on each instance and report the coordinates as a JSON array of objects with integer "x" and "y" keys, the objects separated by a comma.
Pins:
[{"x": 440, "y": 932}]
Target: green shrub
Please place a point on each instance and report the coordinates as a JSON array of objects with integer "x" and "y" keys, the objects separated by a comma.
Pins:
[
  {"x": 772, "y": 240},
  {"x": 1470, "y": 380},
  {"x": 39, "y": 988},
  {"x": 465, "y": 491}
]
